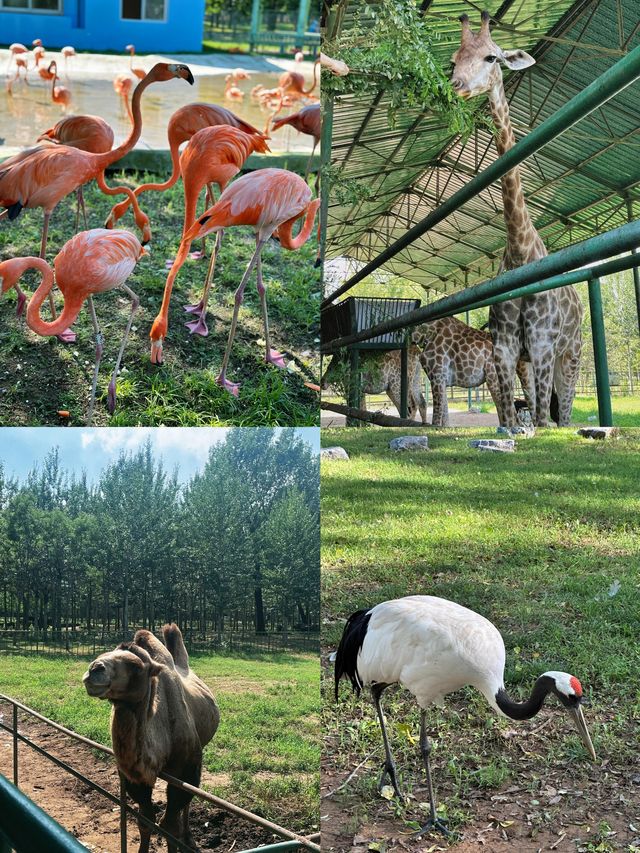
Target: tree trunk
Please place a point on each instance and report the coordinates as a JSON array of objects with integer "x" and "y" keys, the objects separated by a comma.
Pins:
[{"x": 259, "y": 607}]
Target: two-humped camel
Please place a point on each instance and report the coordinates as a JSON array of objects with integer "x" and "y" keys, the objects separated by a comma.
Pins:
[{"x": 162, "y": 716}]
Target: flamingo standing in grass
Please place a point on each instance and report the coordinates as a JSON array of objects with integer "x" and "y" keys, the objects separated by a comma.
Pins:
[
  {"x": 138, "y": 72},
  {"x": 90, "y": 262},
  {"x": 271, "y": 201},
  {"x": 214, "y": 155},
  {"x": 42, "y": 176},
  {"x": 184, "y": 122},
  {"x": 88, "y": 133}
]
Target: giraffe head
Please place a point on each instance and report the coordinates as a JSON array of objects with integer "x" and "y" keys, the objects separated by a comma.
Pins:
[{"x": 477, "y": 62}]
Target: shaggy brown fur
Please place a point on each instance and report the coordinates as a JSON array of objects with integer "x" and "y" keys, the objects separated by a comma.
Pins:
[{"x": 162, "y": 716}]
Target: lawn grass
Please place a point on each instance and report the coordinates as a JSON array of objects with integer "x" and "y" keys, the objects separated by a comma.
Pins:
[
  {"x": 534, "y": 541},
  {"x": 269, "y": 712},
  {"x": 40, "y": 377}
]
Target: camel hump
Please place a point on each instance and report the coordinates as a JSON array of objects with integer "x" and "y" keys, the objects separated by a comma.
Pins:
[
  {"x": 174, "y": 642},
  {"x": 151, "y": 644}
]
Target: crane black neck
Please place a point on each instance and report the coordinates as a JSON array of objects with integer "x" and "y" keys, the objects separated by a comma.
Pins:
[{"x": 530, "y": 707}]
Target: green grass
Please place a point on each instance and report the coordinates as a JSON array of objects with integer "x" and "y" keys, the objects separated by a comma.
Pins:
[
  {"x": 40, "y": 376},
  {"x": 269, "y": 707},
  {"x": 533, "y": 541}
]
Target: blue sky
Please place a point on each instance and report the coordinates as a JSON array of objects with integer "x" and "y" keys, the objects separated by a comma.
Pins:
[{"x": 92, "y": 449}]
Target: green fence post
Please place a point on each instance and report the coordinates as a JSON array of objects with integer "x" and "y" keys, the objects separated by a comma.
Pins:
[
  {"x": 303, "y": 21},
  {"x": 469, "y": 389},
  {"x": 255, "y": 23},
  {"x": 600, "y": 353},
  {"x": 15, "y": 745}
]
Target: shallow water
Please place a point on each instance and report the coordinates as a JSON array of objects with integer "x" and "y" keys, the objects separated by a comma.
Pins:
[{"x": 30, "y": 111}]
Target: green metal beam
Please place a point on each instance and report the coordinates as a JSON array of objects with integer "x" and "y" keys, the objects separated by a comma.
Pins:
[
  {"x": 25, "y": 827},
  {"x": 303, "y": 20},
  {"x": 605, "y": 87},
  {"x": 544, "y": 274},
  {"x": 600, "y": 353}
]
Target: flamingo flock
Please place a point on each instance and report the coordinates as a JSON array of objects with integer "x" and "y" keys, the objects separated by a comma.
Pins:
[{"x": 79, "y": 149}]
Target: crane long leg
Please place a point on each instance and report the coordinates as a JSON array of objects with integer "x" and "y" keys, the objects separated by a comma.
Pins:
[
  {"x": 99, "y": 348},
  {"x": 111, "y": 394},
  {"x": 389, "y": 764},
  {"x": 199, "y": 326},
  {"x": 272, "y": 356},
  {"x": 434, "y": 822},
  {"x": 233, "y": 387}
]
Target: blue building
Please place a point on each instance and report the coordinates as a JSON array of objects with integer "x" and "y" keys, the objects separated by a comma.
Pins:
[{"x": 153, "y": 26}]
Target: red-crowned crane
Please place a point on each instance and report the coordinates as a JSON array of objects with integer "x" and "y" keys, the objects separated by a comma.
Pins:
[{"x": 432, "y": 647}]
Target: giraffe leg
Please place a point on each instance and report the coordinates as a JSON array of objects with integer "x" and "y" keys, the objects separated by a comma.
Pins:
[
  {"x": 440, "y": 417},
  {"x": 542, "y": 361},
  {"x": 505, "y": 356},
  {"x": 565, "y": 378},
  {"x": 524, "y": 371}
]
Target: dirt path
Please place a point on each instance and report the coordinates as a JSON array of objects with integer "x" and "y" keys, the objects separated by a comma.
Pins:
[{"x": 94, "y": 819}]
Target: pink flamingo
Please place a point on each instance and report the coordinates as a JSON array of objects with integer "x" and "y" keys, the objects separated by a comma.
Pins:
[
  {"x": 138, "y": 72},
  {"x": 67, "y": 52},
  {"x": 90, "y": 262},
  {"x": 271, "y": 201},
  {"x": 214, "y": 155},
  {"x": 59, "y": 94},
  {"x": 122, "y": 86}
]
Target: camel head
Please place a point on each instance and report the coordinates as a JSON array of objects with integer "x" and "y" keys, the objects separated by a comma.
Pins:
[
  {"x": 123, "y": 675},
  {"x": 477, "y": 62}
]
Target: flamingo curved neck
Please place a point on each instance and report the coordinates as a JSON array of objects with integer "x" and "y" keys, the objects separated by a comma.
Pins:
[
  {"x": 285, "y": 232},
  {"x": 72, "y": 304},
  {"x": 530, "y": 707},
  {"x": 116, "y": 154}
]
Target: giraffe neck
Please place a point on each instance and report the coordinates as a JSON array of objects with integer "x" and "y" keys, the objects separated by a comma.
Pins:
[{"x": 523, "y": 241}]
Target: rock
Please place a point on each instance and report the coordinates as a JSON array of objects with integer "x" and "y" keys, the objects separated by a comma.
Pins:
[
  {"x": 601, "y": 433},
  {"x": 474, "y": 410},
  {"x": 333, "y": 453},
  {"x": 494, "y": 445},
  {"x": 409, "y": 442}
]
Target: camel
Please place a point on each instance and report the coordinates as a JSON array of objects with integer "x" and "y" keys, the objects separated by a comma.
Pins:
[{"x": 162, "y": 716}]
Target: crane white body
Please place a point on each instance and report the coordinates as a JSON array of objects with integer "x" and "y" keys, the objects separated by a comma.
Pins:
[{"x": 432, "y": 647}]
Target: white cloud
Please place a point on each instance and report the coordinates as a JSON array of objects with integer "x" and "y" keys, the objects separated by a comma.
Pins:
[{"x": 187, "y": 440}]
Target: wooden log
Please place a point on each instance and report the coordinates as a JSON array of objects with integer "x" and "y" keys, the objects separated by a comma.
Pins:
[{"x": 376, "y": 418}]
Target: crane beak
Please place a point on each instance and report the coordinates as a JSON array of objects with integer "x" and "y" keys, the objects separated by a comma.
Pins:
[{"x": 581, "y": 725}]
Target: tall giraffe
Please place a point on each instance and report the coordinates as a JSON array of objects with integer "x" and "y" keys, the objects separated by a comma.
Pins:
[{"x": 544, "y": 328}]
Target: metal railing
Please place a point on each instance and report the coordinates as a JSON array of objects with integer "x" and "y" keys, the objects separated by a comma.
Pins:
[{"x": 293, "y": 841}]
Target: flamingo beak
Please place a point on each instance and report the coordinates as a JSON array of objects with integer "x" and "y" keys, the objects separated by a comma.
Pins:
[{"x": 579, "y": 721}]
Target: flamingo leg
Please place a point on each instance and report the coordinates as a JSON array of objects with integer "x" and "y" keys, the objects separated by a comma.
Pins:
[
  {"x": 308, "y": 169},
  {"x": 234, "y": 387},
  {"x": 80, "y": 206},
  {"x": 111, "y": 394},
  {"x": 96, "y": 368},
  {"x": 199, "y": 325},
  {"x": 67, "y": 337},
  {"x": 272, "y": 356}
]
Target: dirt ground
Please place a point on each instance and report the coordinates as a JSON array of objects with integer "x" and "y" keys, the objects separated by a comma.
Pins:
[
  {"x": 586, "y": 809},
  {"x": 457, "y": 418},
  {"x": 94, "y": 819}
]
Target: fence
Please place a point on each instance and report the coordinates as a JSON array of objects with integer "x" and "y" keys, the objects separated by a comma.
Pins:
[
  {"x": 19, "y": 641},
  {"x": 293, "y": 840}
]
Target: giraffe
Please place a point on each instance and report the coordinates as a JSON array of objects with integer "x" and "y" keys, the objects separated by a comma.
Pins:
[
  {"x": 380, "y": 373},
  {"x": 544, "y": 328},
  {"x": 453, "y": 353}
]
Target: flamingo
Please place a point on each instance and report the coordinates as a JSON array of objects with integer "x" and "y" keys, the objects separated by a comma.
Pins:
[
  {"x": 292, "y": 83},
  {"x": 86, "y": 132},
  {"x": 15, "y": 50},
  {"x": 184, "y": 122},
  {"x": 308, "y": 120},
  {"x": 231, "y": 91},
  {"x": 67, "y": 52},
  {"x": 239, "y": 74},
  {"x": 47, "y": 73},
  {"x": 59, "y": 94},
  {"x": 122, "y": 86},
  {"x": 138, "y": 72},
  {"x": 271, "y": 201},
  {"x": 42, "y": 176},
  {"x": 214, "y": 155},
  {"x": 299, "y": 56},
  {"x": 90, "y": 262}
]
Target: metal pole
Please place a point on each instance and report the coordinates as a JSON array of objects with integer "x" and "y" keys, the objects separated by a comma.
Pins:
[
  {"x": 602, "y": 89},
  {"x": 303, "y": 21},
  {"x": 600, "y": 353},
  {"x": 544, "y": 274},
  {"x": 123, "y": 815},
  {"x": 636, "y": 271},
  {"x": 15, "y": 745},
  {"x": 469, "y": 389},
  {"x": 404, "y": 370},
  {"x": 255, "y": 23}
]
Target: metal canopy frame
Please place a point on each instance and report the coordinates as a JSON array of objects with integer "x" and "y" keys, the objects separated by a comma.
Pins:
[{"x": 581, "y": 184}]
